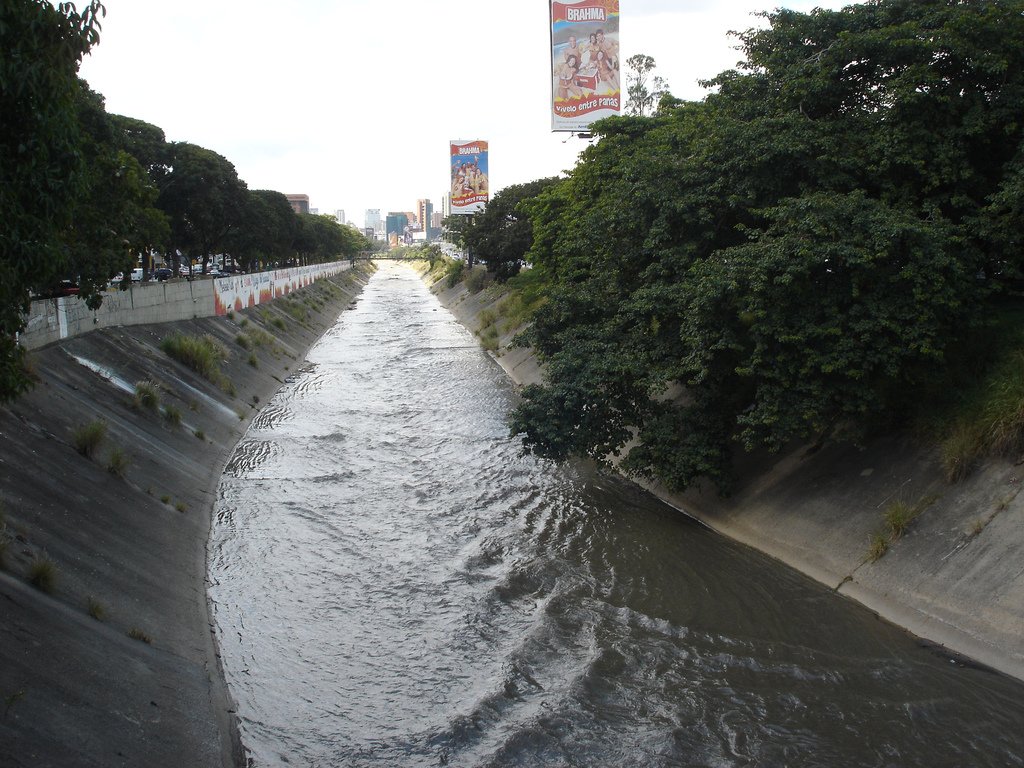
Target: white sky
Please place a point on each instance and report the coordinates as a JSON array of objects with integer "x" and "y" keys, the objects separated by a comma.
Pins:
[{"x": 353, "y": 102}]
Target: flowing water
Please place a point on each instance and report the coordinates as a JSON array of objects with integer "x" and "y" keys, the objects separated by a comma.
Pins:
[{"x": 395, "y": 584}]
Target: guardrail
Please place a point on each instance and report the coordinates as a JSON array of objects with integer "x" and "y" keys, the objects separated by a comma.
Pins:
[{"x": 51, "y": 320}]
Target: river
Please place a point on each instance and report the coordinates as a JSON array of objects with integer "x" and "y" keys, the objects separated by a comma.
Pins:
[{"x": 394, "y": 583}]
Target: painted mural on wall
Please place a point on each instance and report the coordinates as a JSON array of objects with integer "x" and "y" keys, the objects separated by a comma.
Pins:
[{"x": 242, "y": 291}]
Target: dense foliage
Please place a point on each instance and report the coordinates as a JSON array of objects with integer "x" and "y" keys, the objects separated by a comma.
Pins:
[
  {"x": 798, "y": 250},
  {"x": 41, "y": 164},
  {"x": 85, "y": 194}
]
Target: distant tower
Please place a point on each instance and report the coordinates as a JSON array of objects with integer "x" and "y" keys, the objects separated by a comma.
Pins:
[
  {"x": 340, "y": 216},
  {"x": 372, "y": 219},
  {"x": 299, "y": 203}
]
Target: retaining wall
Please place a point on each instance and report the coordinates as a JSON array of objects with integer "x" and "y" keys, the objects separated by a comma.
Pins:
[{"x": 51, "y": 320}]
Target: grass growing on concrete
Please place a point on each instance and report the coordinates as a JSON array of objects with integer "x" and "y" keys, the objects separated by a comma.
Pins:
[
  {"x": 879, "y": 546},
  {"x": 896, "y": 519},
  {"x": 147, "y": 395},
  {"x": 172, "y": 416},
  {"x": 975, "y": 410},
  {"x": 87, "y": 438},
  {"x": 202, "y": 354},
  {"x": 137, "y": 634},
  {"x": 42, "y": 574},
  {"x": 95, "y": 608},
  {"x": 118, "y": 462},
  {"x": 476, "y": 280}
]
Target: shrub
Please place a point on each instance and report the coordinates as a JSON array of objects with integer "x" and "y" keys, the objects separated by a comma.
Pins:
[
  {"x": 88, "y": 437},
  {"x": 118, "y": 462},
  {"x": 453, "y": 272},
  {"x": 200, "y": 435},
  {"x": 879, "y": 546},
  {"x": 243, "y": 341},
  {"x": 898, "y": 516},
  {"x": 172, "y": 416},
  {"x": 96, "y": 609},
  {"x": 200, "y": 353},
  {"x": 147, "y": 395},
  {"x": 42, "y": 574},
  {"x": 476, "y": 280},
  {"x": 253, "y": 360},
  {"x": 278, "y": 323},
  {"x": 137, "y": 634}
]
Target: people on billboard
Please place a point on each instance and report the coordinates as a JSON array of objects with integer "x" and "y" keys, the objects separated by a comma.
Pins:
[{"x": 566, "y": 74}]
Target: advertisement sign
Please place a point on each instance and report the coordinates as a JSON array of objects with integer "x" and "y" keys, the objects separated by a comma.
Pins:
[
  {"x": 469, "y": 176},
  {"x": 584, "y": 63}
]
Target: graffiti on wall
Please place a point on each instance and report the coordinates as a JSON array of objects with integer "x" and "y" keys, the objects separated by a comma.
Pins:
[{"x": 242, "y": 291}]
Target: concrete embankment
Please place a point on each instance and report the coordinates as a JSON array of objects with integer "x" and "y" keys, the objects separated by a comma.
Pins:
[
  {"x": 107, "y": 655},
  {"x": 954, "y": 579}
]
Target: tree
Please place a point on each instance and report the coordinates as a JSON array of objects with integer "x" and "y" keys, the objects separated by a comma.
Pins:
[
  {"x": 115, "y": 219},
  {"x": 795, "y": 254},
  {"x": 642, "y": 100},
  {"x": 265, "y": 230},
  {"x": 502, "y": 234},
  {"x": 41, "y": 168},
  {"x": 203, "y": 197}
]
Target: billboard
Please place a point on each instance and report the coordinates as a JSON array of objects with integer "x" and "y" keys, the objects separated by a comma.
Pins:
[
  {"x": 584, "y": 63},
  {"x": 469, "y": 176}
]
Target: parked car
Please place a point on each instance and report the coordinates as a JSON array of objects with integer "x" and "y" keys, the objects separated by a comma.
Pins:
[
  {"x": 137, "y": 275},
  {"x": 163, "y": 273}
]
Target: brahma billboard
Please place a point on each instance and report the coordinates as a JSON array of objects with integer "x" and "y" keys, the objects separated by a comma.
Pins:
[
  {"x": 584, "y": 63},
  {"x": 469, "y": 176}
]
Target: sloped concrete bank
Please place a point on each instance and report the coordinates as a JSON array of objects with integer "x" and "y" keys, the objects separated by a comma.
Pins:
[
  {"x": 955, "y": 579},
  {"x": 107, "y": 655}
]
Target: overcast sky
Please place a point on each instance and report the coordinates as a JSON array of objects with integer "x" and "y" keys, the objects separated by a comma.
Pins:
[{"x": 353, "y": 102}]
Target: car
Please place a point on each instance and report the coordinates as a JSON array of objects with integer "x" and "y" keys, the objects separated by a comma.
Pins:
[
  {"x": 163, "y": 273},
  {"x": 137, "y": 275}
]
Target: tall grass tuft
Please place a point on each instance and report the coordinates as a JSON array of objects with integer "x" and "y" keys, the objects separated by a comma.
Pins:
[
  {"x": 118, "y": 462},
  {"x": 42, "y": 574},
  {"x": 96, "y": 609},
  {"x": 898, "y": 516},
  {"x": 992, "y": 424},
  {"x": 88, "y": 437},
  {"x": 202, "y": 354},
  {"x": 172, "y": 416},
  {"x": 147, "y": 395}
]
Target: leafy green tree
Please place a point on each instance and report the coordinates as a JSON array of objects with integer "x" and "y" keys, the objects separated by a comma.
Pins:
[
  {"x": 204, "y": 199},
  {"x": 502, "y": 233},
  {"x": 116, "y": 220},
  {"x": 790, "y": 258},
  {"x": 41, "y": 166},
  {"x": 641, "y": 98},
  {"x": 265, "y": 230}
]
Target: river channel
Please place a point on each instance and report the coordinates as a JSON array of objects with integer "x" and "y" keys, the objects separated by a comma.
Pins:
[{"x": 394, "y": 583}]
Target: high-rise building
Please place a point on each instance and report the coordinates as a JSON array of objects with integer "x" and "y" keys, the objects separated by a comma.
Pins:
[
  {"x": 423, "y": 210},
  {"x": 340, "y": 216},
  {"x": 396, "y": 223},
  {"x": 372, "y": 220},
  {"x": 299, "y": 203}
]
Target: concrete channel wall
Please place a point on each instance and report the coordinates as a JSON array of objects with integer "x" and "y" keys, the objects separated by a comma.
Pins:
[{"x": 51, "y": 320}]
